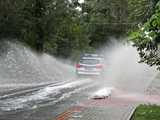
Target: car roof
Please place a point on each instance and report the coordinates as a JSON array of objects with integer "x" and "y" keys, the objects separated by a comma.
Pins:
[
  {"x": 91, "y": 55},
  {"x": 92, "y": 58}
]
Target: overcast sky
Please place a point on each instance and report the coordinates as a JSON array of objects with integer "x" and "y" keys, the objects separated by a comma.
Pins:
[{"x": 81, "y": 1}]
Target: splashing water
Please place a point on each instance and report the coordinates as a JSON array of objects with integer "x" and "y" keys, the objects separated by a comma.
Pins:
[
  {"x": 122, "y": 69},
  {"x": 19, "y": 65}
]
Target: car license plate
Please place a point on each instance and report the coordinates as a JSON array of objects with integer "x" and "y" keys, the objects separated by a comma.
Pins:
[{"x": 89, "y": 68}]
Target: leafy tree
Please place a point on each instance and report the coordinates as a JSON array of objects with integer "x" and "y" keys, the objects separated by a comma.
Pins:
[
  {"x": 147, "y": 39},
  {"x": 9, "y": 19},
  {"x": 66, "y": 28},
  {"x": 53, "y": 25},
  {"x": 105, "y": 18},
  {"x": 140, "y": 10},
  {"x": 35, "y": 18},
  {"x": 69, "y": 34}
]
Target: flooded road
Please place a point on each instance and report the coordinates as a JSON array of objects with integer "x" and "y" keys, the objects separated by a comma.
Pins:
[
  {"x": 54, "y": 102},
  {"x": 53, "y": 98},
  {"x": 40, "y": 87}
]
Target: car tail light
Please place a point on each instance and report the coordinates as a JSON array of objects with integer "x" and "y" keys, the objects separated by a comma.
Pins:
[
  {"x": 99, "y": 66},
  {"x": 78, "y": 66}
]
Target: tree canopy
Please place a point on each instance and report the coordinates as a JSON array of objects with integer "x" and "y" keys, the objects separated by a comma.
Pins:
[
  {"x": 147, "y": 39},
  {"x": 66, "y": 28}
]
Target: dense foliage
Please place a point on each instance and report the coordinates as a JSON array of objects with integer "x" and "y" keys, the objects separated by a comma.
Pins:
[
  {"x": 66, "y": 28},
  {"x": 147, "y": 39}
]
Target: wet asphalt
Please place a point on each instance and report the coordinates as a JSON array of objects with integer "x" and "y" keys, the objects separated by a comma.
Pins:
[{"x": 53, "y": 102}]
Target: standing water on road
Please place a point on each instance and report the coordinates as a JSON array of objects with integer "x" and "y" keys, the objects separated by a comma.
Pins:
[{"x": 22, "y": 67}]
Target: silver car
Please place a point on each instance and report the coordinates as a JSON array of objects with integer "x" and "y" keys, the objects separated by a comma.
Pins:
[{"x": 90, "y": 64}]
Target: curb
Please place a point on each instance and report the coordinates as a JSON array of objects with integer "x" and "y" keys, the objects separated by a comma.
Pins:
[{"x": 130, "y": 114}]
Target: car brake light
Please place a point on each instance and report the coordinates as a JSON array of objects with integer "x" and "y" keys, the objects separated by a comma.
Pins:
[
  {"x": 78, "y": 66},
  {"x": 99, "y": 66}
]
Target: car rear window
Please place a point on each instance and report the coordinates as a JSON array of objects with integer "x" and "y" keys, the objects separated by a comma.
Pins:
[{"x": 89, "y": 61}]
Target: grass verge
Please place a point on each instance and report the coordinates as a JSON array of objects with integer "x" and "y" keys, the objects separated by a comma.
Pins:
[{"x": 147, "y": 112}]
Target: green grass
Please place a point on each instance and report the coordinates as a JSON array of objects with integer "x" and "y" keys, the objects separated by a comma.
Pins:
[{"x": 147, "y": 112}]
